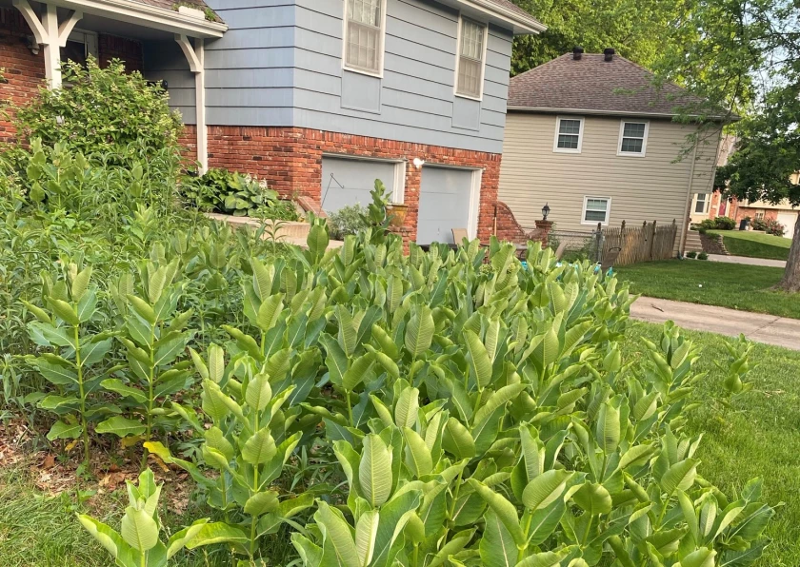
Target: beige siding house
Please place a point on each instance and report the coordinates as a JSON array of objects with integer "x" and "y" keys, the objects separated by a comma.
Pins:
[{"x": 588, "y": 135}]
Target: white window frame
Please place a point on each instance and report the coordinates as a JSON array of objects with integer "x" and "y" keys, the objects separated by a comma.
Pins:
[
  {"x": 381, "y": 41},
  {"x": 583, "y": 212},
  {"x": 88, "y": 39},
  {"x": 577, "y": 150},
  {"x": 483, "y": 57},
  {"x": 706, "y": 203},
  {"x": 641, "y": 154}
]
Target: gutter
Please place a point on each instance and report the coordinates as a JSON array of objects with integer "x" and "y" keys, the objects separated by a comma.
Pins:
[
  {"x": 522, "y": 24},
  {"x": 595, "y": 112},
  {"x": 145, "y": 15}
]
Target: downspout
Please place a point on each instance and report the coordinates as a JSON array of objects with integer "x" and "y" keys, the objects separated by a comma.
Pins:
[
  {"x": 688, "y": 212},
  {"x": 195, "y": 55}
]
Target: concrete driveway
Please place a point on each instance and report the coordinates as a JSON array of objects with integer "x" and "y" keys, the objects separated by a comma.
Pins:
[{"x": 757, "y": 327}]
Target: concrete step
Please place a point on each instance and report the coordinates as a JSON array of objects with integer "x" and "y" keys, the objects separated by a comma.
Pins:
[{"x": 693, "y": 242}]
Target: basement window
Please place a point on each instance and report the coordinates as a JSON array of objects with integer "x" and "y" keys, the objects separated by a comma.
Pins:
[{"x": 596, "y": 210}]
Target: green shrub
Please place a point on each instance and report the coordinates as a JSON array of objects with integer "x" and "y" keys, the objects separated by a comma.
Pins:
[
  {"x": 708, "y": 224},
  {"x": 691, "y": 254},
  {"x": 702, "y": 256},
  {"x": 231, "y": 193},
  {"x": 105, "y": 111},
  {"x": 759, "y": 224},
  {"x": 347, "y": 220},
  {"x": 775, "y": 228},
  {"x": 724, "y": 223}
]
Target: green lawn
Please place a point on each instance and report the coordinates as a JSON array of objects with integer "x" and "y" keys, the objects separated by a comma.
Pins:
[
  {"x": 755, "y": 244},
  {"x": 758, "y": 437},
  {"x": 736, "y": 286}
]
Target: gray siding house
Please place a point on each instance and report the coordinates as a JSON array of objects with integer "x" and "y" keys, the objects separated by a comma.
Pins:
[{"x": 321, "y": 97}]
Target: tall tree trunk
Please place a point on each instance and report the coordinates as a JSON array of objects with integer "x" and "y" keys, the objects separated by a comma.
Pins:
[{"x": 791, "y": 277}]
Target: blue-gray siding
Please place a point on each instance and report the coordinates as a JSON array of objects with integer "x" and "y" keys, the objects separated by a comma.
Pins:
[{"x": 280, "y": 64}]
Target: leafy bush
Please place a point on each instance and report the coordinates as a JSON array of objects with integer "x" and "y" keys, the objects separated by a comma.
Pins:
[
  {"x": 104, "y": 111},
  {"x": 231, "y": 193},
  {"x": 691, "y": 254},
  {"x": 759, "y": 224},
  {"x": 348, "y": 220},
  {"x": 724, "y": 223},
  {"x": 775, "y": 228},
  {"x": 708, "y": 224},
  {"x": 702, "y": 256}
]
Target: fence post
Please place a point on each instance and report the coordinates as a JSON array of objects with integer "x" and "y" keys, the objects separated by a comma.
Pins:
[
  {"x": 599, "y": 254},
  {"x": 652, "y": 241}
]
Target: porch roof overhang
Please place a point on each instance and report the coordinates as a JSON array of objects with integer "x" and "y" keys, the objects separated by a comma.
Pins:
[{"x": 146, "y": 15}]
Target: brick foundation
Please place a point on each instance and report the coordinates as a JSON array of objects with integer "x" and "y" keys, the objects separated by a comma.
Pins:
[{"x": 290, "y": 159}]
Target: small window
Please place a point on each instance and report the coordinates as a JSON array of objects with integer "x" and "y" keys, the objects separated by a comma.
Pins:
[
  {"x": 596, "y": 210},
  {"x": 364, "y": 35},
  {"x": 701, "y": 203},
  {"x": 471, "y": 55},
  {"x": 633, "y": 138},
  {"x": 80, "y": 45},
  {"x": 569, "y": 135}
]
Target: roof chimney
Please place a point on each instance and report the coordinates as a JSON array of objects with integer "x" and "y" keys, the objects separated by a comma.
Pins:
[
  {"x": 609, "y": 52},
  {"x": 577, "y": 52}
]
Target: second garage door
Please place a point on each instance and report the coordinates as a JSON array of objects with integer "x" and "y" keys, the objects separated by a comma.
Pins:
[
  {"x": 348, "y": 181},
  {"x": 446, "y": 202},
  {"x": 788, "y": 220}
]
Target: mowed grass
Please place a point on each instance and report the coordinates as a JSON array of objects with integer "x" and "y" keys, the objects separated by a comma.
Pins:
[
  {"x": 758, "y": 437},
  {"x": 755, "y": 244},
  {"x": 736, "y": 286}
]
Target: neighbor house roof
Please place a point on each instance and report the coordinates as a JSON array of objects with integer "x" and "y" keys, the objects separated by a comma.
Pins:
[{"x": 592, "y": 85}]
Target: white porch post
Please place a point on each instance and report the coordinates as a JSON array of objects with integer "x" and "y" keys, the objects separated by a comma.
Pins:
[
  {"x": 50, "y": 35},
  {"x": 195, "y": 55}
]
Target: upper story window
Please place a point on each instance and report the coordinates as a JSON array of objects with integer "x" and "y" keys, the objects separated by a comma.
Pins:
[
  {"x": 471, "y": 59},
  {"x": 569, "y": 135},
  {"x": 364, "y": 35},
  {"x": 633, "y": 138},
  {"x": 80, "y": 45}
]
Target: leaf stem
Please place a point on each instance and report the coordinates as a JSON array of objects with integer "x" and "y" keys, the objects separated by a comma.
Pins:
[{"x": 82, "y": 392}]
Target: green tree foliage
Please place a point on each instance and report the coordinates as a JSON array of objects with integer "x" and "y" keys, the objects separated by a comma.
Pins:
[{"x": 640, "y": 30}]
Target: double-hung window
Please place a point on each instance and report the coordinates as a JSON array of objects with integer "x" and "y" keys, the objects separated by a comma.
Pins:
[
  {"x": 633, "y": 138},
  {"x": 364, "y": 35},
  {"x": 80, "y": 45},
  {"x": 596, "y": 210},
  {"x": 701, "y": 203},
  {"x": 569, "y": 135},
  {"x": 471, "y": 59}
]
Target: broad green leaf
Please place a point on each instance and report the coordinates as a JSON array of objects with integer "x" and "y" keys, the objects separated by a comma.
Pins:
[
  {"x": 375, "y": 470},
  {"x": 117, "y": 386},
  {"x": 497, "y": 547},
  {"x": 457, "y": 440},
  {"x": 65, "y": 312},
  {"x": 121, "y": 427},
  {"x": 366, "y": 532},
  {"x": 593, "y": 498},
  {"x": 505, "y": 510},
  {"x": 480, "y": 362},
  {"x": 259, "y": 392},
  {"x": 545, "y": 489},
  {"x": 405, "y": 411},
  {"x": 701, "y": 558},
  {"x": 419, "y": 332},
  {"x": 261, "y": 503},
  {"x": 338, "y": 534},
  {"x": 139, "y": 529},
  {"x": 62, "y": 430},
  {"x": 608, "y": 428},
  {"x": 270, "y": 311},
  {"x": 217, "y": 532},
  {"x": 260, "y": 448},
  {"x": 680, "y": 476},
  {"x": 106, "y": 536},
  {"x": 418, "y": 455},
  {"x": 360, "y": 370},
  {"x": 497, "y": 399},
  {"x": 216, "y": 363}
]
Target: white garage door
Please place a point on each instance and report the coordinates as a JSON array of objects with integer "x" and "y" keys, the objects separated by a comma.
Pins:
[
  {"x": 348, "y": 181},
  {"x": 445, "y": 203},
  {"x": 788, "y": 220}
]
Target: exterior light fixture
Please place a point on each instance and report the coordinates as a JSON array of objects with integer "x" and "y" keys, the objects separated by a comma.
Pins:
[{"x": 545, "y": 211}]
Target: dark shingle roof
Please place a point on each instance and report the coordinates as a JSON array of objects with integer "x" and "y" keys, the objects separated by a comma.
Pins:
[
  {"x": 593, "y": 84},
  {"x": 508, "y": 5},
  {"x": 174, "y": 4}
]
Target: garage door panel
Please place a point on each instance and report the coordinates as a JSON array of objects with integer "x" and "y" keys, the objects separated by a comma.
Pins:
[
  {"x": 444, "y": 203},
  {"x": 788, "y": 220},
  {"x": 348, "y": 182}
]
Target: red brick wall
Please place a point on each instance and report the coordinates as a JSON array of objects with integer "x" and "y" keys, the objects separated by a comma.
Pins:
[
  {"x": 23, "y": 71},
  {"x": 507, "y": 226},
  {"x": 290, "y": 159},
  {"x": 127, "y": 50}
]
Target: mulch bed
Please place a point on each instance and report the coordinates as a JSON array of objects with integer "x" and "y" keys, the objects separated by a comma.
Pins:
[{"x": 712, "y": 244}]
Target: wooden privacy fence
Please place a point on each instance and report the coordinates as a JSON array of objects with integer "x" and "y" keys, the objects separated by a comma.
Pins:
[{"x": 648, "y": 242}]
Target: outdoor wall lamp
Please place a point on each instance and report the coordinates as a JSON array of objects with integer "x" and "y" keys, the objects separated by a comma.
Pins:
[
  {"x": 545, "y": 211},
  {"x": 30, "y": 42}
]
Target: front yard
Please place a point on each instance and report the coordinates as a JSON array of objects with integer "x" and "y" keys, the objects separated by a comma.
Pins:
[
  {"x": 754, "y": 244},
  {"x": 747, "y": 288}
]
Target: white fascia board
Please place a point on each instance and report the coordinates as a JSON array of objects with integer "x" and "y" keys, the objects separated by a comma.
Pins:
[{"x": 485, "y": 10}]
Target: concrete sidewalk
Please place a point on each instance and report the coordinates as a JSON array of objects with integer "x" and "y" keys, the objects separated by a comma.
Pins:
[
  {"x": 747, "y": 261},
  {"x": 757, "y": 327}
]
